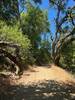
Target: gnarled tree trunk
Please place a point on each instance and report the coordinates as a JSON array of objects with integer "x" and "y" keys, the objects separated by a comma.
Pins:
[{"x": 16, "y": 59}]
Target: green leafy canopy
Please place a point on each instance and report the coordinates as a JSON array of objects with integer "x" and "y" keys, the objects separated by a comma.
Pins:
[{"x": 13, "y": 35}]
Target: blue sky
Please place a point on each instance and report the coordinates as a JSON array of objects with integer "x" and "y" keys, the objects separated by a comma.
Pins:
[{"x": 52, "y": 12}]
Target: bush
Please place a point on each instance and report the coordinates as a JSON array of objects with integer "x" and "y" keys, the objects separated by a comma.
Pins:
[
  {"x": 14, "y": 35},
  {"x": 68, "y": 56},
  {"x": 43, "y": 55}
]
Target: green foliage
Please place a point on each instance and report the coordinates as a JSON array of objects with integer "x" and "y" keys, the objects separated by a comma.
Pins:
[
  {"x": 13, "y": 35},
  {"x": 59, "y": 3},
  {"x": 44, "y": 55},
  {"x": 9, "y": 9},
  {"x": 38, "y": 1},
  {"x": 34, "y": 22},
  {"x": 68, "y": 56}
]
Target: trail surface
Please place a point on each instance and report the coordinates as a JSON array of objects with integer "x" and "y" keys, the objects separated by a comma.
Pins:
[
  {"x": 42, "y": 83},
  {"x": 43, "y": 73}
]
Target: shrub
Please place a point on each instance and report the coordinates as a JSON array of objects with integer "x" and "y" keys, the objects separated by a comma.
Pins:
[{"x": 14, "y": 35}]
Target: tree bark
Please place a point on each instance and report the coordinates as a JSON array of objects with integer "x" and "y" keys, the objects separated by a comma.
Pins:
[{"x": 14, "y": 59}]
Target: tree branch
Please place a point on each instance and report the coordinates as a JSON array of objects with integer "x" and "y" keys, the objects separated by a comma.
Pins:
[
  {"x": 66, "y": 39},
  {"x": 51, "y": 37},
  {"x": 12, "y": 58},
  {"x": 4, "y": 43},
  {"x": 57, "y": 23},
  {"x": 70, "y": 34},
  {"x": 72, "y": 20}
]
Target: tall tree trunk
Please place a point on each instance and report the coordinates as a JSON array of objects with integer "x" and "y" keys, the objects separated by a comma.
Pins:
[
  {"x": 56, "y": 60},
  {"x": 55, "y": 55}
]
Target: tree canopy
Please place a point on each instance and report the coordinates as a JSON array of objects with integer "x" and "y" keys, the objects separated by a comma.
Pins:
[{"x": 24, "y": 24}]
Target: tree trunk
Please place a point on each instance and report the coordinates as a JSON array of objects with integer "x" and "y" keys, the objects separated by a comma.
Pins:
[
  {"x": 56, "y": 61},
  {"x": 56, "y": 58},
  {"x": 18, "y": 63}
]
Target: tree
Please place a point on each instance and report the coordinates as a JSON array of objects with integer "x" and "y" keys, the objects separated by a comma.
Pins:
[
  {"x": 68, "y": 56},
  {"x": 65, "y": 27},
  {"x": 34, "y": 22},
  {"x": 14, "y": 45},
  {"x": 9, "y": 10},
  {"x": 64, "y": 33},
  {"x": 43, "y": 57}
]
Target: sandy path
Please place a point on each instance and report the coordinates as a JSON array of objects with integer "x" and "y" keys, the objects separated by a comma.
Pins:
[{"x": 40, "y": 74}]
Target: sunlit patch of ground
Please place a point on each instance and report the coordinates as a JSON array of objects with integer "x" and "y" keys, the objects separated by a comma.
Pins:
[{"x": 39, "y": 74}]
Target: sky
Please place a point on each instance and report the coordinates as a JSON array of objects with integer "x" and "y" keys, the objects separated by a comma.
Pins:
[{"x": 52, "y": 12}]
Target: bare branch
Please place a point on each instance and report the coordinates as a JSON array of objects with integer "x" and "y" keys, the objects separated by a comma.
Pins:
[
  {"x": 51, "y": 37},
  {"x": 54, "y": 2},
  {"x": 57, "y": 23},
  {"x": 66, "y": 39},
  {"x": 70, "y": 34},
  {"x": 72, "y": 19},
  {"x": 4, "y": 44},
  {"x": 64, "y": 19}
]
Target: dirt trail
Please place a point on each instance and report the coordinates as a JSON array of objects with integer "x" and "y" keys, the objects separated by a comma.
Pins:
[
  {"x": 40, "y": 74},
  {"x": 41, "y": 83}
]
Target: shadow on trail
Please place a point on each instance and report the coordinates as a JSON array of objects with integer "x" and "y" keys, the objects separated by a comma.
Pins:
[{"x": 48, "y": 90}]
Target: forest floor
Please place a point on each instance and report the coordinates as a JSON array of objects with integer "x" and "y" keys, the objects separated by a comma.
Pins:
[{"x": 41, "y": 83}]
